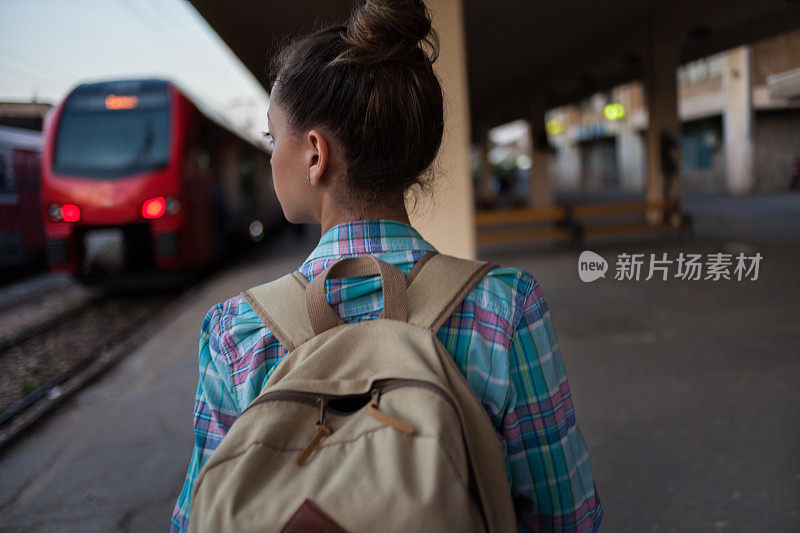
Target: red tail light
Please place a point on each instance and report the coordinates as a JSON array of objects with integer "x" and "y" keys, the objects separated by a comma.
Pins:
[
  {"x": 154, "y": 207},
  {"x": 70, "y": 213}
]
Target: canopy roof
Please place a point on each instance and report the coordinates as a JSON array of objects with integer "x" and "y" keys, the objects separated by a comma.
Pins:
[{"x": 557, "y": 50}]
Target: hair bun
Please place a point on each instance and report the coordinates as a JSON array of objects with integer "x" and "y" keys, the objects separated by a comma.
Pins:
[{"x": 390, "y": 30}]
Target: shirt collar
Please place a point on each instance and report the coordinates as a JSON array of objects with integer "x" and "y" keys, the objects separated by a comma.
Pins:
[{"x": 365, "y": 237}]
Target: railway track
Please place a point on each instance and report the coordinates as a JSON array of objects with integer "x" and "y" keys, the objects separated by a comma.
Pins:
[
  {"x": 37, "y": 360},
  {"x": 42, "y": 327}
]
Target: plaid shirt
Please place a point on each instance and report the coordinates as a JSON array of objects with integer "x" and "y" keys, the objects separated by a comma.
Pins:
[{"x": 501, "y": 337}]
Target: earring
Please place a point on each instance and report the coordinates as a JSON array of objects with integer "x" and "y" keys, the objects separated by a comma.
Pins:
[{"x": 309, "y": 178}]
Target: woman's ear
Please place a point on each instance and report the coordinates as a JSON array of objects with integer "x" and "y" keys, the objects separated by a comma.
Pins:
[{"x": 319, "y": 156}]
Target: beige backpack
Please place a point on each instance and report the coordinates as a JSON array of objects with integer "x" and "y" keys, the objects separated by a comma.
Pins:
[{"x": 362, "y": 427}]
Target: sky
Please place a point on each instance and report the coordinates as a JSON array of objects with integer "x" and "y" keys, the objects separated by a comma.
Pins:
[{"x": 47, "y": 47}]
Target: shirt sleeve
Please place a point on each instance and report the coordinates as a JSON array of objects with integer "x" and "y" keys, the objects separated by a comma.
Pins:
[
  {"x": 215, "y": 410},
  {"x": 550, "y": 473}
]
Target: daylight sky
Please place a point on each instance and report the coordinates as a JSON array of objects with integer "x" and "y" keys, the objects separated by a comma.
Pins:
[{"x": 49, "y": 46}]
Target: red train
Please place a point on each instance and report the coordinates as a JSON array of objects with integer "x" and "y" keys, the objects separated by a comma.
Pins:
[
  {"x": 137, "y": 175},
  {"x": 21, "y": 242}
]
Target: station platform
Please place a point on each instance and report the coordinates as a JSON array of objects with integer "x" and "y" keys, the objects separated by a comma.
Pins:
[{"x": 686, "y": 391}]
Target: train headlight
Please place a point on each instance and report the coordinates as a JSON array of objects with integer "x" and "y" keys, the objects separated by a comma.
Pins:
[
  {"x": 55, "y": 212},
  {"x": 70, "y": 213},
  {"x": 159, "y": 206},
  {"x": 172, "y": 205},
  {"x": 64, "y": 212},
  {"x": 154, "y": 207}
]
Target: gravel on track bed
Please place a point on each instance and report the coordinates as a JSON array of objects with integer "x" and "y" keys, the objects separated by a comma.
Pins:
[{"x": 32, "y": 363}]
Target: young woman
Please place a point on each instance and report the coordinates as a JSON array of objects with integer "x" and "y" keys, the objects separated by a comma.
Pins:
[{"x": 355, "y": 122}]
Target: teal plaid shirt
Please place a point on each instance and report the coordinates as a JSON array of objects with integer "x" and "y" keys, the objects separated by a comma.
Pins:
[{"x": 501, "y": 338}]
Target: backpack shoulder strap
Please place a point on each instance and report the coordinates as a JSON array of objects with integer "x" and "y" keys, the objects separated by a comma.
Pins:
[
  {"x": 285, "y": 298},
  {"x": 439, "y": 287}
]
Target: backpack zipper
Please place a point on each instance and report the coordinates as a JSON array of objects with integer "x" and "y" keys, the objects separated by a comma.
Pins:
[
  {"x": 395, "y": 383},
  {"x": 382, "y": 386},
  {"x": 321, "y": 400}
]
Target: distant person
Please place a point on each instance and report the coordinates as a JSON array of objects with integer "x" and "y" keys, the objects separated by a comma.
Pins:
[
  {"x": 355, "y": 121},
  {"x": 669, "y": 168}
]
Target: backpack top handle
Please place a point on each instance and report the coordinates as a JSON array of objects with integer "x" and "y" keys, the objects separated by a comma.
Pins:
[{"x": 395, "y": 299}]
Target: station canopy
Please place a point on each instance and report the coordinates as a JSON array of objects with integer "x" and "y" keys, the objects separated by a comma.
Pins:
[{"x": 558, "y": 50}]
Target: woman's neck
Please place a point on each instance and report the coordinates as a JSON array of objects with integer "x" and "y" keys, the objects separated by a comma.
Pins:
[{"x": 333, "y": 215}]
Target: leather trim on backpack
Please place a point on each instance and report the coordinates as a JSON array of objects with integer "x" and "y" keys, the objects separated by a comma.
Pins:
[{"x": 308, "y": 518}]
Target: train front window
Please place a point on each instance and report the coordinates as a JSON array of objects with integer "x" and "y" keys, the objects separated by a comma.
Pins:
[{"x": 111, "y": 143}]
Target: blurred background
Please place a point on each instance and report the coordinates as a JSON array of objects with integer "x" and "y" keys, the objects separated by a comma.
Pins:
[{"x": 135, "y": 192}]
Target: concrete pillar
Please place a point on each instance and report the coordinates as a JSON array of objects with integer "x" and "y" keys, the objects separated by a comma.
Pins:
[
  {"x": 448, "y": 221},
  {"x": 566, "y": 168},
  {"x": 663, "y": 131},
  {"x": 540, "y": 191},
  {"x": 630, "y": 154},
  {"x": 738, "y": 121},
  {"x": 630, "y": 144}
]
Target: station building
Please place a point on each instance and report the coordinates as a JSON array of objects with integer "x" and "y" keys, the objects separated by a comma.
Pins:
[{"x": 740, "y": 132}]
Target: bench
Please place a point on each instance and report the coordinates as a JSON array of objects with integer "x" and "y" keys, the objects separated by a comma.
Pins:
[{"x": 574, "y": 223}]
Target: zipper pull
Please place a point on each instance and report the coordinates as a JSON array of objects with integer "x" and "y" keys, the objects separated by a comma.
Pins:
[
  {"x": 322, "y": 431},
  {"x": 374, "y": 412}
]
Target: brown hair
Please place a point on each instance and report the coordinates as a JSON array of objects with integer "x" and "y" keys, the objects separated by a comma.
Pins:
[{"x": 371, "y": 85}]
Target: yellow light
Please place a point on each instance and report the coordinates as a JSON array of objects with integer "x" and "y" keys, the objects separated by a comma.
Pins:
[
  {"x": 614, "y": 111},
  {"x": 554, "y": 127},
  {"x": 121, "y": 102}
]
